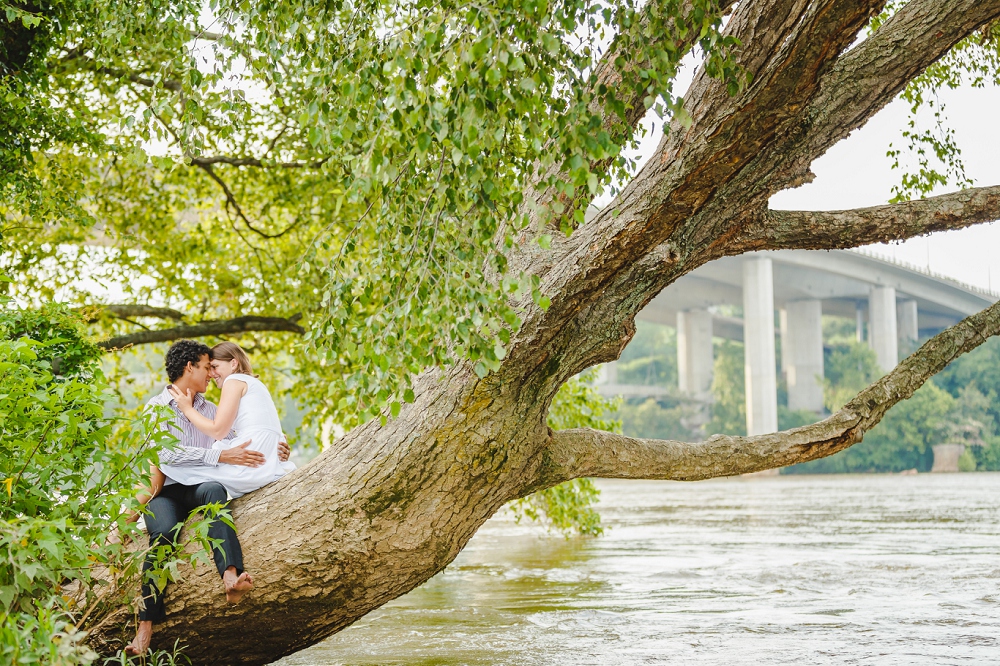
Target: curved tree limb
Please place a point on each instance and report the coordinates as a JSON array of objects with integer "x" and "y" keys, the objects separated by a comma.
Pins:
[
  {"x": 205, "y": 328},
  {"x": 859, "y": 84},
  {"x": 231, "y": 201},
  {"x": 254, "y": 162},
  {"x": 845, "y": 96},
  {"x": 810, "y": 230},
  {"x": 707, "y": 185},
  {"x": 586, "y": 452},
  {"x": 789, "y": 45},
  {"x": 727, "y": 133}
]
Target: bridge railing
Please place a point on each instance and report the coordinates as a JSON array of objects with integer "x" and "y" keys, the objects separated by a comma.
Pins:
[{"x": 924, "y": 271}]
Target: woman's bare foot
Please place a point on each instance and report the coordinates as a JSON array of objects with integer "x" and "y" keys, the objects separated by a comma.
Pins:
[
  {"x": 140, "y": 644},
  {"x": 236, "y": 586}
]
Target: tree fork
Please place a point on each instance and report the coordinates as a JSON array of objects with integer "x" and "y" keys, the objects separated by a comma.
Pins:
[
  {"x": 691, "y": 165},
  {"x": 733, "y": 204}
]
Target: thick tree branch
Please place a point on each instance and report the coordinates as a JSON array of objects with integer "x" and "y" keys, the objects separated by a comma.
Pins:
[
  {"x": 708, "y": 185},
  {"x": 585, "y": 452},
  {"x": 254, "y": 162},
  {"x": 789, "y": 45},
  {"x": 816, "y": 230},
  {"x": 860, "y": 83},
  {"x": 205, "y": 328}
]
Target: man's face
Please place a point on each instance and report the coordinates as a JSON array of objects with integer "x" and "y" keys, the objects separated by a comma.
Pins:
[{"x": 198, "y": 374}]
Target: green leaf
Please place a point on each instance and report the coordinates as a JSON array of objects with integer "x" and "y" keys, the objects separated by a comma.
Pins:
[{"x": 423, "y": 141}]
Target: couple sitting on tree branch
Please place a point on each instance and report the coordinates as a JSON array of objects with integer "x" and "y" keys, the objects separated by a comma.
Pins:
[{"x": 225, "y": 452}]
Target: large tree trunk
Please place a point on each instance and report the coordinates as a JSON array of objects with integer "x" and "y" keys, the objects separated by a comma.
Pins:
[{"x": 385, "y": 508}]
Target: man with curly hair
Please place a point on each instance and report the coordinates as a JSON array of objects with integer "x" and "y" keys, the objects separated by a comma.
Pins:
[{"x": 188, "y": 367}]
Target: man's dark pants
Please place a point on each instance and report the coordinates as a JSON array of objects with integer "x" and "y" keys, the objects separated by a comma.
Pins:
[{"x": 167, "y": 512}]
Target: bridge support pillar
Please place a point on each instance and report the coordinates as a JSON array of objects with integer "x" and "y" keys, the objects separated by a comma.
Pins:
[
  {"x": 694, "y": 352},
  {"x": 882, "y": 326},
  {"x": 785, "y": 361},
  {"x": 758, "y": 345},
  {"x": 906, "y": 317},
  {"x": 804, "y": 372}
]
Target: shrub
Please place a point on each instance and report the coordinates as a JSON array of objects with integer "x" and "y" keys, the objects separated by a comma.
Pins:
[{"x": 67, "y": 478}]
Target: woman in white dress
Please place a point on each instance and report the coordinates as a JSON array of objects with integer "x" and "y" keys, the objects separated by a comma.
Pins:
[{"x": 246, "y": 407}]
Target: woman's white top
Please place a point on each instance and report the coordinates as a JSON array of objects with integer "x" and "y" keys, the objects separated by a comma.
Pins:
[{"x": 257, "y": 410}]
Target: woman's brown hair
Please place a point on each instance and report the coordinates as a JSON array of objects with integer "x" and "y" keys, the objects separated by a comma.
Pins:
[{"x": 230, "y": 351}]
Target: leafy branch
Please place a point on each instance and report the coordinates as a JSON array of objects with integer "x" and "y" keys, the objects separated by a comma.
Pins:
[{"x": 206, "y": 328}]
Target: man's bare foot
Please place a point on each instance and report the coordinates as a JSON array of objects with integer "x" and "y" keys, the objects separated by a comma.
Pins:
[
  {"x": 140, "y": 644},
  {"x": 236, "y": 586}
]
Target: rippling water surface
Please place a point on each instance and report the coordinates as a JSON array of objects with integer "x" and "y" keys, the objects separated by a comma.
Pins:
[{"x": 798, "y": 569}]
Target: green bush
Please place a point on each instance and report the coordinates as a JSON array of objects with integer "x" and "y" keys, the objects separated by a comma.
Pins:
[
  {"x": 64, "y": 342},
  {"x": 651, "y": 420},
  {"x": 967, "y": 461},
  {"x": 67, "y": 478},
  {"x": 848, "y": 367},
  {"x": 651, "y": 357},
  {"x": 979, "y": 369},
  {"x": 794, "y": 418},
  {"x": 987, "y": 457},
  {"x": 729, "y": 411}
]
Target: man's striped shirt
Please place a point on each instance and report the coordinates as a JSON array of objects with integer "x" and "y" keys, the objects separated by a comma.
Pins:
[{"x": 195, "y": 446}]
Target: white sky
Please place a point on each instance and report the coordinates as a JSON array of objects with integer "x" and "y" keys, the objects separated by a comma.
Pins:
[{"x": 856, "y": 172}]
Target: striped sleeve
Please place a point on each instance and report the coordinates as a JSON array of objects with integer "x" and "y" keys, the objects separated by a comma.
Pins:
[{"x": 188, "y": 456}]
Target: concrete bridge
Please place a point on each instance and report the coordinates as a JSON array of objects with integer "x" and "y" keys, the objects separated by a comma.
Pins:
[{"x": 893, "y": 306}]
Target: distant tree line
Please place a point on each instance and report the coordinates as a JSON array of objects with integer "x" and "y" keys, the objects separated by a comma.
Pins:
[{"x": 959, "y": 405}]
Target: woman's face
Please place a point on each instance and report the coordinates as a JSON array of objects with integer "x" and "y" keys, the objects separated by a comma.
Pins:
[{"x": 222, "y": 369}]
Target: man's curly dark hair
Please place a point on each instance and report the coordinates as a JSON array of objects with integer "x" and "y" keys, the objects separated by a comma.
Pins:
[{"x": 180, "y": 354}]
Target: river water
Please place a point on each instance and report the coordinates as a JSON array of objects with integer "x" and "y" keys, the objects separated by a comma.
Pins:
[{"x": 845, "y": 569}]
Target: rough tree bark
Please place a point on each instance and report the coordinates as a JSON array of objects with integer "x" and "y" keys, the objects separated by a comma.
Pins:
[{"x": 385, "y": 508}]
